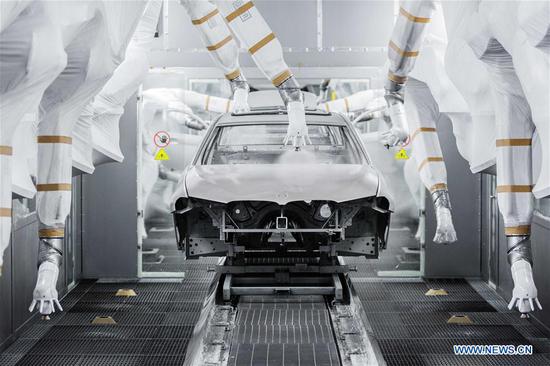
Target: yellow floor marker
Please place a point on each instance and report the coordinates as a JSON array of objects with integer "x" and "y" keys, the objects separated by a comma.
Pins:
[
  {"x": 401, "y": 155},
  {"x": 103, "y": 320},
  {"x": 460, "y": 319},
  {"x": 436, "y": 292},
  {"x": 126, "y": 292},
  {"x": 162, "y": 155}
]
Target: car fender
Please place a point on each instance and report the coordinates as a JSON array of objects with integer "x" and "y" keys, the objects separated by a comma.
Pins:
[
  {"x": 383, "y": 191},
  {"x": 181, "y": 190}
]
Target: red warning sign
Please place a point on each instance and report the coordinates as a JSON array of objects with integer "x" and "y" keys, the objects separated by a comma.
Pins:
[{"x": 161, "y": 139}]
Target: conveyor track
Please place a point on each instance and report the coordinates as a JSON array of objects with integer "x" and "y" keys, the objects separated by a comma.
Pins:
[
  {"x": 283, "y": 330},
  {"x": 271, "y": 320}
]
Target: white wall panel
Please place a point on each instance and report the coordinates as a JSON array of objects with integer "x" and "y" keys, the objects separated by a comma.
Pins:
[{"x": 352, "y": 33}]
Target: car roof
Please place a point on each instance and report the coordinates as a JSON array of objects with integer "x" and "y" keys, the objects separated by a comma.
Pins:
[{"x": 278, "y": 116}]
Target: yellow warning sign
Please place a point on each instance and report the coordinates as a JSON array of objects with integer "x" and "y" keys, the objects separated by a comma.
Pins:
[
  {"x": 162, "y": 155},
  {"x": 436, "y": 292},
  {"x": 125, "y": 292},
  {"x": 401, "y": 155},
  {"x": 460, "y": 319},
  {"x": 103, "y": 320}
]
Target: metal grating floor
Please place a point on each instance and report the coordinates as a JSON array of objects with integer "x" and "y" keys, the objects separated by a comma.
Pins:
[
  {"x": 411, "y": 328},
  {"x": 153, "y": 328}
]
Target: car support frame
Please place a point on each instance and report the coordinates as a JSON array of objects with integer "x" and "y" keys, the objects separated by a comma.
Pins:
[{"x": 286, "y": 279}]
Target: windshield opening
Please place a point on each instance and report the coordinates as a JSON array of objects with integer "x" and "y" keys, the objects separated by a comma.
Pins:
[{"x": 263, "y": 144}]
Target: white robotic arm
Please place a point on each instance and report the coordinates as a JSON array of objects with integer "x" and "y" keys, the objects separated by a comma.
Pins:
[
  {"x": 95, "y": 34},
  {"x": 254, "y": 33},
  {"x": 178, "y": 103},
  {"x": 222, "y": 46},
  {"x": 524, "y": 294},
  {"x": 184, "y": 115},
  {"x": 403, "y": 48},
  {"x": 353, "y": 103},
  {"x": 205, "y": 102},
  {"x": 108, "y": 106}
]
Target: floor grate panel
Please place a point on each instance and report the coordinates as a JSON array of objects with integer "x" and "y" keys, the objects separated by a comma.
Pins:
[
  {"x": 48, "y": 360},
  {"x": 424, "y": 306},
  {"x": 130, "y": 360},
  {"x": 9, "y": 359},
  {"x": 317, "y": 354},
  {"x": 412, "y": 329},
  {"x": 153, "y": 328}
]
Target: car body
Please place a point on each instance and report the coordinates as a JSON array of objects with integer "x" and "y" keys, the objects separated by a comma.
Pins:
[{"x": 246, "y": 192}]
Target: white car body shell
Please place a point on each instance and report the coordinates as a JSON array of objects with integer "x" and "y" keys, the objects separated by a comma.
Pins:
[{"x": 280, "y": 183}]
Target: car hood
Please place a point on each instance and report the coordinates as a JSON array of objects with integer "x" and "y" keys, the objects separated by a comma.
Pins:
[{"x": 281, "y": 183}]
